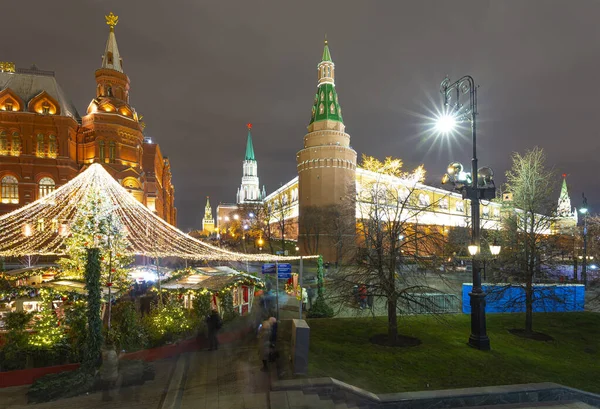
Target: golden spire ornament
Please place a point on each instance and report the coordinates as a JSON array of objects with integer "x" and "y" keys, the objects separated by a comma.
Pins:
[{"x": 112, "y": 20}]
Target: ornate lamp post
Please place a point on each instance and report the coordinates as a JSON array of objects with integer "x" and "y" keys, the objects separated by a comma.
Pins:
[
  {"x": 476, "y": 185},
  {"x": 584, "y": 211}
]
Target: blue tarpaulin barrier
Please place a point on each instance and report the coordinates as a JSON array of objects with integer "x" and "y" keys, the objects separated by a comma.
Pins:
[{"x": 511, "y": 298}]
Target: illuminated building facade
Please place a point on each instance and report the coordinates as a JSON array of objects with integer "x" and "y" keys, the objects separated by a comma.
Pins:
[{"x": 44, "y": 142}]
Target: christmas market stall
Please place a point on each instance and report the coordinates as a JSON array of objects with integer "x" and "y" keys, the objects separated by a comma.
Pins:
[{"x": 228, "y": 288}]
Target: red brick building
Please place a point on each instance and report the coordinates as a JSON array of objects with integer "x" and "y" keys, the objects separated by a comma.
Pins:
[{"x": 44, "y": 142}]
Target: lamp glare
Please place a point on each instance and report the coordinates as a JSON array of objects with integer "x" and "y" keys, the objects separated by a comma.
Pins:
[{"x": 445, "y": 123}]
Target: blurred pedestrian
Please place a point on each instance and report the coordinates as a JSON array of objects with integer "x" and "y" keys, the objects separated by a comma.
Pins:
[
  {"x": 264, "y": 344},
  {"x": 362, "y": 293},
  {"x": 213, "y": 324},
  {"x": 304, "y": 298}
]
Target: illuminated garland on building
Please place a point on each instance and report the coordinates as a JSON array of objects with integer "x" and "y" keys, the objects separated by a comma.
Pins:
[{"x": 41, "y": 227}]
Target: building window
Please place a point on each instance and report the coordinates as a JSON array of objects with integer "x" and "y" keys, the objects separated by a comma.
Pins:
[
  {"x": 332, "y": 108},
  {"x": 10, "y": 189},
  {"x": 486, "y": 211},
  {"x": 52, "y": 147},
  {"x": 460, "y": 206},
  {"x": 101, "y": 151},
  {"x": 424, "y": 200},
  {"x": 45, "y": 108},
  {"x": 321, "y": 108},
  {"x": 46, "y": 186},
  {"x": 40, "y": 149},
  {"x": 3, "y": 143},
  {"x": 111, "y": 152},
  {"x": 109, "y": 91},
  {"x": 16, "y": 144},
  {"x": 8, "y": 106},
  {"x": 444, "y": 204}
]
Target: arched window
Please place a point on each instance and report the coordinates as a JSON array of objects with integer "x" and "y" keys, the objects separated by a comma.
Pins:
[
  {"x": 10, "y": 189},
  {"x": 46, "y": 186},
  {"x": 111, "y": 151},
  {"x": 424, "y": 200},
  {"x": 444, "y": 204},
  {"x": 460, "y": 206},
  {"x": 40, "y": 149},
  {"x": 101, "y": 151},
  {"x": 52, "y": 147},
  {"x": 16, "y": 144},
  {"x": 109, "y": 91},
  {"x": 3, "y": 143}
]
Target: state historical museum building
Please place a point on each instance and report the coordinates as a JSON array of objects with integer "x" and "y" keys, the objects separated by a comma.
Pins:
[{"x": 44, "y": 142}]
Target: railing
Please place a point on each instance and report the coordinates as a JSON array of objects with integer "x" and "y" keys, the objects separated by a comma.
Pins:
[{"x": 430, "y": 303}]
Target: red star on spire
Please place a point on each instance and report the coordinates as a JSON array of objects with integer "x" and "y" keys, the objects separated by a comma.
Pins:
[
  {"x": 564, "y": 175},
  {"x": 249, "y": 125}
]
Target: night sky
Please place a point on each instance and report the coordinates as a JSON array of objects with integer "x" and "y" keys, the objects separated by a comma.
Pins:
[{"x": 201, "y": 70}]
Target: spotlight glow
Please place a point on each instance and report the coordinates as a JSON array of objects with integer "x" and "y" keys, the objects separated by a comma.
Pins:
[{"x": 445, "y": 123}]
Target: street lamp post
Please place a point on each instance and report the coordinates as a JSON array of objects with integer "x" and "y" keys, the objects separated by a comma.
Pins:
[
  {"x": 478, "y": 185},
  {"x": 584, "y": 212}
]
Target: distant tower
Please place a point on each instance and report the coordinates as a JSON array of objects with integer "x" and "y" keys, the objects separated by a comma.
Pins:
[
  {"x": 327, "y": 163},
  {"x": 566, "y": 215},
  {"x": 249, "y": 191},
  {"x": 208, "y": 223}
]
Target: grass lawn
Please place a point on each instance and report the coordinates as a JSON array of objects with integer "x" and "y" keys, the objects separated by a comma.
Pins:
[{"x": 340, "y": 348}]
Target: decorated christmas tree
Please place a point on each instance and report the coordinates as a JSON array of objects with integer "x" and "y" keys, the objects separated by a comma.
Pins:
[
  {"x": 47, "y": 331},
  {"x": 97, "y": 224}
]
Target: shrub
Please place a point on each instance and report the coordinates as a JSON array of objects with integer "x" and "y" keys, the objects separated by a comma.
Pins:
[
  {"x": 76, "y": 321},
  {"x": 129, "y": 333},
  {"x": 320, "y": 309},
  {"x": 14, "y": 352},
  {"x": 167, "y": 322},
  {"x": 60, "y": 385},
  {"x": 229, "y": 313}
]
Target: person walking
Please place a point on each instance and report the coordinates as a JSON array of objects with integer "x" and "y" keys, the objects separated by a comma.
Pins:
[
  {"x": 213, "y": 324},
  {"x": 109, "y": 370},
  {"x": 264, "y": 344},
  {"x": 304, "y": 298},
  {"x": 362, "y": 292}
]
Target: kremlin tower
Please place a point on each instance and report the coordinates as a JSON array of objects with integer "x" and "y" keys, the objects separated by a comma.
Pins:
[{"x": 326, "y": 164}]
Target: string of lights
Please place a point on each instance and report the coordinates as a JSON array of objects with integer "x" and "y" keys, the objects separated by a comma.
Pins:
[{"x": 41, "y": 227}]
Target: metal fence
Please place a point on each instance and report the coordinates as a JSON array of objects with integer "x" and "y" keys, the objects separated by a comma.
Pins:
[{"x": 430, "y": 303}]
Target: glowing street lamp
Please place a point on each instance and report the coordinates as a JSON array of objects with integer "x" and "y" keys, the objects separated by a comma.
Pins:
[
  {"x": 495, "y": 249},
  {"x": 475, "y": 185},
  {"x": 445, "y": 124}
]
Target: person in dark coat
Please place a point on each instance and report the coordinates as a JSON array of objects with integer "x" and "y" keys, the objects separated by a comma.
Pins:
[{"x": 213, "y": 324}]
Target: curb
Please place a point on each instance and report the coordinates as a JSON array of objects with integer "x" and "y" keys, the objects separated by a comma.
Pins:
[{"x": 172, "y": 399}]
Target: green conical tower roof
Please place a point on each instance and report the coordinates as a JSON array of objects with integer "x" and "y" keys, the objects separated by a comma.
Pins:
[
  {"x": 249, "y": 146},
  {"x": 326, "y": 105}
]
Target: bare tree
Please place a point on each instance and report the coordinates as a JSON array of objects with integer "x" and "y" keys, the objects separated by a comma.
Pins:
[
  {"x": 529, "y": 249},
  {"x": 389, "y": 246},
  {"x": 279, "y": 211}
]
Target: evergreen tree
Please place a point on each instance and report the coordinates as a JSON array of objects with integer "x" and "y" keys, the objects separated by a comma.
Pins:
[
  {"x": 47, "y": 331},
  {"x": 97, "y": 225}
]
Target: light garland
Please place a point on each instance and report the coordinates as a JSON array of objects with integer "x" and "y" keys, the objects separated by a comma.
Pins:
[{"x": 41, "y": 227}]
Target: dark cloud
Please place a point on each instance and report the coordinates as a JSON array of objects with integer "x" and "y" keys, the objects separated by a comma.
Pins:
[{"x": 200, "y": 70}]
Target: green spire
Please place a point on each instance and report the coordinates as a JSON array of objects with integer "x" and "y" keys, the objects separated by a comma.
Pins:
[
  {"x": 326, "y": 54},
  {"x": 249, "y": 146},
  {"x": 564, "y": 193},
  {"x": 326, "y": 105}
]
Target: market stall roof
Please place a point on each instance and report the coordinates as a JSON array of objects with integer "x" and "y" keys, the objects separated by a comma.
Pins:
[
  {"x": 73, "y": 286},
  {"x": 148, "y": 235},
  {"x": 210, "y": 278}
]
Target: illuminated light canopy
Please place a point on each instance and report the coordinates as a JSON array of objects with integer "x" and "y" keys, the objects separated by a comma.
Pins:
[{"x": 148, "y": 234}]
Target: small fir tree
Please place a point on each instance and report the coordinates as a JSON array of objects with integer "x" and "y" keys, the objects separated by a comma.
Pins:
[{"x": 47, "y": 331}]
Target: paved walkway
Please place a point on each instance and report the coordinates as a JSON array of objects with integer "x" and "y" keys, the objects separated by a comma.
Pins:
[{"x": 229, "y": 378}]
